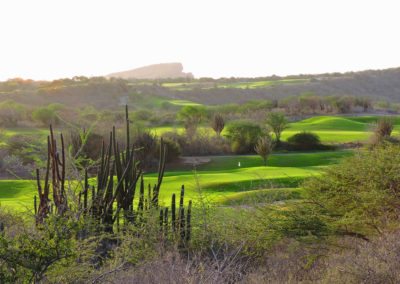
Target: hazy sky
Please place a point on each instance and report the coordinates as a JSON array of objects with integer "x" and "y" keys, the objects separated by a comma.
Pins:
[{"x": 47, "y": 39}]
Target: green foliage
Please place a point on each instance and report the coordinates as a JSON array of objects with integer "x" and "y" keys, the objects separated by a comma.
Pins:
[
  {"x": 305, "y": 141},
  {"x": 361, "y": 194},
  {"x": 278, "y": 122},
  {"x": 142, "y": 114},
  {"x": 29, "y": 254},
  {"x": 28, "y": 148},
  {"x": 84, "y": 146},
  {"x": 46, "y": 115},
  {"x": 243, "y": 135},
  {"x": 173, "y": 150},
  {"x": 145, "y": 144},
  {"x": 191, "y": 116},
  {"x": 10, "y": 113},
  {"x": 383, "y": 129},
  {"x": 192, "y": 113}
]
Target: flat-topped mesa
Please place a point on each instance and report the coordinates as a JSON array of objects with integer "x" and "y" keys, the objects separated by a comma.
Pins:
[{"x": 155, "y": 71}]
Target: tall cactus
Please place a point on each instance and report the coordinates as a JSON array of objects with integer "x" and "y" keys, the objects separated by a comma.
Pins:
[
  {"x": 117, "y": 177},
  {"x": 181, "y": 225},
  {"x": 173, "y": 213},
  {"x": 56, "y": 166}
]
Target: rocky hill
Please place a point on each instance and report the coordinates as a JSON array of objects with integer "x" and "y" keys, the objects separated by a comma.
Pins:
[{"x": 156, "y": 71}]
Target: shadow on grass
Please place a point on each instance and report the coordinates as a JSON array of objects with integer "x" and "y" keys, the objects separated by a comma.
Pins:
[
  {"x": 261, "y": 196},
  {"x": 286, "y": 182}
]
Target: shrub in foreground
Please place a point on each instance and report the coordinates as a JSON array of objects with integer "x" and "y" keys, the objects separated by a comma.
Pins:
[{"x": 361, "y": 195}]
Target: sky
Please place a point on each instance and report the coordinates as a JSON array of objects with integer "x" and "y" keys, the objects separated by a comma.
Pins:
[{"x": 50, "y": 39}]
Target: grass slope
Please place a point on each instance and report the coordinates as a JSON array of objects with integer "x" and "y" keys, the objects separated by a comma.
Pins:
[
  {"x": 219, "y": 180},
  {"x": 331, "y": 129},
  {"x": 336, "y": 129}
]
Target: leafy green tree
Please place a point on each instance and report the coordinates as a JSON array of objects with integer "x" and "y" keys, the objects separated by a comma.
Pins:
[
  {"x": 243, "y": 135},
  {"x": 45, "y": 115},
  {"x": 28, "y": 255},
  {"x": 278, "y": 122},
  {"x": 192, "y": 116}
]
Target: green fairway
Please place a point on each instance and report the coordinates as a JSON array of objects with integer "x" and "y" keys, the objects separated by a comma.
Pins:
[
  {"x": 218, "y": 180},
  {"x": 336, "y": 129},
  {"x": 184, "y": 103},
  {"x": 222, "y": 178},
  {"x": 330, "y": 129},
  {"x": 233, "y": 85}
]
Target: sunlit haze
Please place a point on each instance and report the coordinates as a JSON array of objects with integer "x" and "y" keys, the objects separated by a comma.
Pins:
[{"x": 48, "y": 39}]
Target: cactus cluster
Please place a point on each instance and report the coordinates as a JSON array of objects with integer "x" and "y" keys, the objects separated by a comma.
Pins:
[
  {"x": 55, "y": 165},
  {"x": 180, "y": 224},
  {"x": 114, "y": 189}
]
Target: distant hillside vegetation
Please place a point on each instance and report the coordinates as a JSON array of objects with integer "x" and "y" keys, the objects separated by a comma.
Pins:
[
  {"x": 156, "y": 71},
  {"x": 381, "y": 86}
]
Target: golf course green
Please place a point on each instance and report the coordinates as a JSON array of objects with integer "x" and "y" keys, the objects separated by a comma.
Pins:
[{"x": 218, "y": 180}]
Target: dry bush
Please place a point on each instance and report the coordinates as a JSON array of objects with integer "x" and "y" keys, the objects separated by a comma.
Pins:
[
  {"x": 201, "y": 144},
  {"x": 354, "y": 261},
  {"x": 218, "y": 124},
  {"x": 382, "y": 131},
  {"x": 368, "y": 262},
  {"x": 177, "y": 268}
]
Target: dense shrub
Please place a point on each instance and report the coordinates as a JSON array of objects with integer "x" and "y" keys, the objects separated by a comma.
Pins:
[
  {"x": 47, "y": 115},
  {"x": 304, "y": 141},
  {"x": 142, "y": 114},
  {"x": 243, "y": 136},
  {"x": 13, "y": 166},
  {"x": 26, "y": 253},
  {"x": 201, "y": 144},
  {"x": 145, "y": 143},
  {"x": 173, "y": 150},
  {"x": 361, "y": 194},
  {"x": 10, "y": 113},
  {"x": 191, "y": 116},
  {"x": 89, "y": 114},
  {"x": 382, "y": 131},
  {"x": 85, "y": 146},
  {"x": 29, "y": 149}
]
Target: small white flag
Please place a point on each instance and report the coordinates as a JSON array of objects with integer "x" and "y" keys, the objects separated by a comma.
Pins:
[{"x": 239, "y": 164}]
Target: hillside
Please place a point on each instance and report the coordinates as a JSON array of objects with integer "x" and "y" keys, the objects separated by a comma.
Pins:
[
  {"x": 106, "y": 93},
  {"x": 156, "y": 71},
  {"x": 380, "y": 85}
]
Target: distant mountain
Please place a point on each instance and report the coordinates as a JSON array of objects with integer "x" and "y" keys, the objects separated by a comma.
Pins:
[{"x": 156, "y": 71}]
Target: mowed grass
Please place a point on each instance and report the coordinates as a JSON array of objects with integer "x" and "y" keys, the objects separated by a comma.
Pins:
[
  {"x": 218, "y": 181},
  {"x": 336, "y": 129},
  {"x": 233, "y": 85},
  {"x": 330, "y": 129}
]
